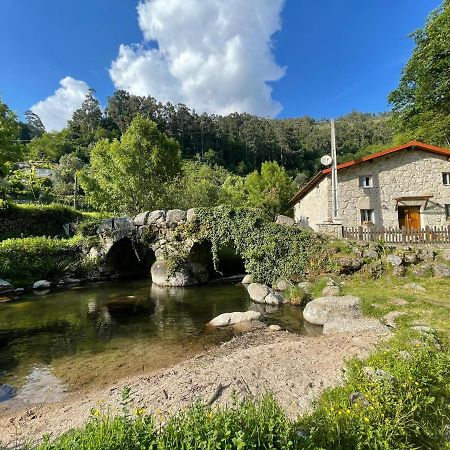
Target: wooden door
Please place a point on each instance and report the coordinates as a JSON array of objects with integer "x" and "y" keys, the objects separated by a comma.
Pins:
[{"x": 409, "y": 217}]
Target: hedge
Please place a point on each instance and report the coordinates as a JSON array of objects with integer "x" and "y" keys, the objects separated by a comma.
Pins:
[
  {"x": 34, "y": 220},
  {"x": 23, "y": 261}
]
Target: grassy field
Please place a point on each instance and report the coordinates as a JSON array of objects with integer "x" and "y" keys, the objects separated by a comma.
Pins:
[{"x": 381, "y": 296}]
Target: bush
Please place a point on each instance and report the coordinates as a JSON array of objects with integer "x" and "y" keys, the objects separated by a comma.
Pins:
[
  {"x": 23, "y": 261},
  {"x": 35, "y": 220}
]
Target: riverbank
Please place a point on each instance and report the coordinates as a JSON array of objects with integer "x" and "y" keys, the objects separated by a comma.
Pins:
[{"x": 295, "y": 368}]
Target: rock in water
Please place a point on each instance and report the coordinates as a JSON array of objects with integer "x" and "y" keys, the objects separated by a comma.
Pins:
[
  {"x": 188, "y": 274},
  {"x": 248, "y": 279},
  {"x": 326, "y": 309},
  {"x": 5, "y": 287},
  {"x": 233, "y": 318},
  {"x": 42, "y": 284},
  {"x": 260, "y": 293}
]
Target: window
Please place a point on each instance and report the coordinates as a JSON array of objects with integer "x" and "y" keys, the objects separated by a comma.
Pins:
[
  {"x": 366, "y": 181},
  {"x": 367, "y": 216},
  {"x": 446, "y": 178},
  {"x": 447, "y": 212}
]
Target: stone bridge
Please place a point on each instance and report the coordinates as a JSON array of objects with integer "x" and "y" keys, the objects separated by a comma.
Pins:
[{"x": 148, "y": 243}]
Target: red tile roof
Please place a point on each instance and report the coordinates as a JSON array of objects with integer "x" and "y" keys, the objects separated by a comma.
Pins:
[{"x": 413, "y": 145}]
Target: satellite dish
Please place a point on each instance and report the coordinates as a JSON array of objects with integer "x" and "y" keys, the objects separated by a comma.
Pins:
[{"x": 326, "y": 160}]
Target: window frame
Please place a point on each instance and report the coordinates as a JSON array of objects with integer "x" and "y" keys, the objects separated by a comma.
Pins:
[
  {"x": 446, "y": 178},
  {"x": 363, "y": 179},
  {"x": 367, "y": 213},
  {"x": 447, "y": 212}
]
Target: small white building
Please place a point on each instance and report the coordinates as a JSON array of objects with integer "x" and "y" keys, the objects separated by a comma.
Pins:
[{"x": 406, "y": 186}]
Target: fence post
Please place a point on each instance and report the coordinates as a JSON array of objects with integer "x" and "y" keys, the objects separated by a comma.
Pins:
[{"x": 360, "y": 233}]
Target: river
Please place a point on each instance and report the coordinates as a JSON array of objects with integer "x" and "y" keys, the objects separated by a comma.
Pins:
[{"x": 92, "y": 335}]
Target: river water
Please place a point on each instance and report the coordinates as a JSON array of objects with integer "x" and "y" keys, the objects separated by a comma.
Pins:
[{"x": 93, "y": 335}]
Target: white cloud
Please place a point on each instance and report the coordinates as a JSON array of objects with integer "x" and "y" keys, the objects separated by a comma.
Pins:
[
  {"x": 57, "y": 109},
  {"x": 215, "y": 56}
]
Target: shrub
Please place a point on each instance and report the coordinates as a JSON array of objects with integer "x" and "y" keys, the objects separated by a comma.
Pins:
[
  {"x": 270, "y": 251},
  {"x": 23, "y": 261},
  {"x": 35, "y": 220}
]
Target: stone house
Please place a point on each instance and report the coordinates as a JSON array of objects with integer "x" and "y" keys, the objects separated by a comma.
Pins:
[{"x": 406, "y": 186}]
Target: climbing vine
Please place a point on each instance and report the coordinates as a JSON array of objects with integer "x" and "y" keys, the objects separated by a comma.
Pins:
[{"x": 270, "y": 251}]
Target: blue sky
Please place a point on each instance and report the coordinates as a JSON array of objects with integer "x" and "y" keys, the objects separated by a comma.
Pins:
[{"x": 328, "y": 57}]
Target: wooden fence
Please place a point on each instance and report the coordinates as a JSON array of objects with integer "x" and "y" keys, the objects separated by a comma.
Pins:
[{"x": 428, "y": 235}]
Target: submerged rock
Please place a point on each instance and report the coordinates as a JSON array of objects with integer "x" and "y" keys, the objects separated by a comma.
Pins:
[
  {"x": 42, "y": 284},
  {"x": 233, "y": 318},
  {"x": 326, "y": 309},
  {"x": 7, "y": 392}
]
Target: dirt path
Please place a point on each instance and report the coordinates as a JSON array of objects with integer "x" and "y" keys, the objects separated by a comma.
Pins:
[{"x": 295, "y": 368}]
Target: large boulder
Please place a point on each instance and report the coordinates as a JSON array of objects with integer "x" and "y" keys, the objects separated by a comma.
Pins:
[
  {"x": 441, "y": 270},
  {"x": 42, "y": 284},
  {"x": 156, "y": 217},
  {"x": 394, "y": 260},
  {"x": 248, "y": 279},
  {"x": 234, "y": 318},
  {"x": 175, "y": 216},
  {"x": 285, "y": 220},
  {"x": 348, "y": 265},
  {"x": 141, "y": 219},
  {"x": 326, "y": 309},
  {"x": 355, "y": 326},
  {"x": 5, "y": 287},
  {"x": 260, "y": 293},
  {"x": 187, "y": 274}
]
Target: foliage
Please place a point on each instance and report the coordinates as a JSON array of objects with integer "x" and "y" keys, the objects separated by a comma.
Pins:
[
  {"x": 88, "y": 117},
  {"x": 35, "y": 220},
  {"x": 50, "y": 146},
  {"x": 64, "y": 178},
  {"x": 199, "y": 185},
  {"x": 24, "y": 184},
  {"x": 408, "y": 410},
  {"x": 23, "y": 261},
  {"x": 10, "y": 150},
  {"x": 270, "y": 251},
  {"x": 129, "y": 176},
  {"x": 34, "y": 124},
  {"x": 421, "y": 103}
]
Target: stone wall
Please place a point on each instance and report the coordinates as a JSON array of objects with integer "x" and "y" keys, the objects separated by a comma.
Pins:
[
  {"x": 407, "y": 173},
  {"x": 315, "y": 207}
]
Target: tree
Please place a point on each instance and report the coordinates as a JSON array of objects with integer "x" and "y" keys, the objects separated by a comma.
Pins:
[
  {"x": 88, "y": 117},
  {"x": 50, "y": 146},
  {"x": 10, "y": 149},
  {"x": 130, "y": 175},
  {"x": 35, "y": 126},
  {"x": 64, "y": 178},
  {"x": 199, "y": 185},
  {"x": 271, "y": 189},
  {"x": 421, "y": 103}
]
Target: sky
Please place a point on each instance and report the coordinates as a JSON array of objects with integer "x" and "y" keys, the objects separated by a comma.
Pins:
[{"x": 274, "y": 58}]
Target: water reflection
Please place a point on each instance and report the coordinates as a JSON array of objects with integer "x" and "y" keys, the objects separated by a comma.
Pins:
[{"x": 101, "y": 332}]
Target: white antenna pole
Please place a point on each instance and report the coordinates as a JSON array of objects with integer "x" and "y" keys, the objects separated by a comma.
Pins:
[{"x": 334, "y": 180}]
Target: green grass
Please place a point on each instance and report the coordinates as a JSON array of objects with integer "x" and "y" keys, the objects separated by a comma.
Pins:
[
  {"x": 408, "y": 410},
  {"x": 432, "y": 307}
]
